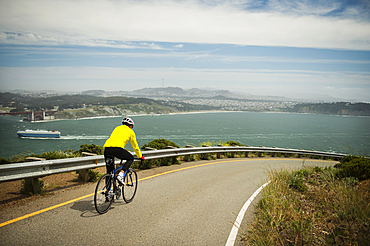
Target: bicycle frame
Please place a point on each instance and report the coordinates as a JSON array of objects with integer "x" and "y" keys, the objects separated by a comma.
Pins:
[
  {"x": 114, "y": 176},
  {"x": 105, "y": 191}
]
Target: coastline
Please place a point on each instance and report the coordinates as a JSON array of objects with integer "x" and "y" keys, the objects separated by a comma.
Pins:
[{"x": 132, "y": 114}]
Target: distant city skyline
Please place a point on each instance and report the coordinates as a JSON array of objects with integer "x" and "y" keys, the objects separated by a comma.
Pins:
[{"x": 295, "y": 49}]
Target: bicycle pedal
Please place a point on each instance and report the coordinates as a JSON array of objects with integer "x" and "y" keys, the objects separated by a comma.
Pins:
[{"x": 118, "y": 194}]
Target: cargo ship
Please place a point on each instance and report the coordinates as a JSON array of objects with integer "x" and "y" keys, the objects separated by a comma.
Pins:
[{"x": 38, "y": 134}]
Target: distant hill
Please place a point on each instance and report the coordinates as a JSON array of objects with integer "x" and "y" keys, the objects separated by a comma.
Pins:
[
  {"x": 338, "y": 108},
  {"x": 96, "y": 93},
  {"x": 20, "y": 103},
  {"x": 160, "y": 91},
  {"x": 180, "y": 100},
  {"x": 179, "y": 92}
]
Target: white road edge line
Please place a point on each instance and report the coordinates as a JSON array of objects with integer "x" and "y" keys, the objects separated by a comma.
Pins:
[{"x": 239, "y": 219}]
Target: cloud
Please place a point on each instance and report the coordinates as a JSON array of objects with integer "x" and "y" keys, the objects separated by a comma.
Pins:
[{"x": 114, "y": 23}]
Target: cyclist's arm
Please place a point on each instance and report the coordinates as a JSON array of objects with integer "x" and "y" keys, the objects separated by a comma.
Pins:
[{"x": 135, "y": 145}]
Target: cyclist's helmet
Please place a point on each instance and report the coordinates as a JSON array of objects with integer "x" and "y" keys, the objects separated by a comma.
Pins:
[{"x": 128, "y": 121}]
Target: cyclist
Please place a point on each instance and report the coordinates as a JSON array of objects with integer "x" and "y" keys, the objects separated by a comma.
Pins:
[{"x": 115, "y": 146}]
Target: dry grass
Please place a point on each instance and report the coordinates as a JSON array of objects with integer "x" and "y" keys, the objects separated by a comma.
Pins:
[{"x": 311, "y": 207}]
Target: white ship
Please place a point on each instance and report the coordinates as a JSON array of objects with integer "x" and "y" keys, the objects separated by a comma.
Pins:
[{"x": 38, "y": 134}]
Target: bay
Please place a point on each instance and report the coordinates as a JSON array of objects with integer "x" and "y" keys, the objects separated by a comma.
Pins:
[{"x": 349, "y": 135}]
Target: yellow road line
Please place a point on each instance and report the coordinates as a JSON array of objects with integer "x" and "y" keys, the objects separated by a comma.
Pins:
[
  {"x": 43, "y": 210},
  {"x": 149, "y": 177}
]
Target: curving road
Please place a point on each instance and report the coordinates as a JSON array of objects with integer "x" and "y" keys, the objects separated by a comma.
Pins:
[{"x": 194, "y": 204}]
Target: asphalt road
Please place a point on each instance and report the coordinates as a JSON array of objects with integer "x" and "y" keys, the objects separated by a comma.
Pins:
[{"x": 194, "y": 206}]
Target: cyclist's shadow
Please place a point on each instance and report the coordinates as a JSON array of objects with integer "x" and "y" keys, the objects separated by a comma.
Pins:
[{"x": 88, "y": 209}]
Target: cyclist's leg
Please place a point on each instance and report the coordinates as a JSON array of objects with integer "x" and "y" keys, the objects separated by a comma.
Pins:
[
  {"x": 108, "y": 154},
  {"x": 121, "y": 154},
  {"x": 125, "y": 155},
  {"x": 128, "y": 164}
]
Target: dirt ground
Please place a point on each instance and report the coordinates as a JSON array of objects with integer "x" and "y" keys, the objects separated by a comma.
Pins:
[{"x": 11, "y": 191}]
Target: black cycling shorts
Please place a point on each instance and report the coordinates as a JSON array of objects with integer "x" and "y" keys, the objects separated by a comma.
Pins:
[{"x": 119, "y": 153}]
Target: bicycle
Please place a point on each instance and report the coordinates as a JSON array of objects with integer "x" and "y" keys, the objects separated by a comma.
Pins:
[{"x": 106, "y": 189}]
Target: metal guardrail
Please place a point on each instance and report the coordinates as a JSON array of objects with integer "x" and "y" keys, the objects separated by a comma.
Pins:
[{"x": 37, "y": 169}]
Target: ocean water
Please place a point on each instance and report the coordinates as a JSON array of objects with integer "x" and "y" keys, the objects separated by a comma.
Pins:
[{"x": 349, "y": 135}]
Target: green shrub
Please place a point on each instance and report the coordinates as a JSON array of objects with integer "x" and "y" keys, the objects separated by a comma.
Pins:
[
  {"x": 354, "y": 166},
  {"x": 92, "y": 148},
  {"x": 210, "y": 143},
  {"x": 93, "y": 176},
  {"x": 4, "y": 160},
  {"x": 147, "y": 164},
  {"x": 304, "y": 172},
  {"x": 351, "y": 181},
  {"x": 205, "y": 156},
  {"x": 278, "y": 154},
  {"x": 188, "y": 158},
  {"x": 232, "y": 143},
  {"x": 51, "y": 155},
  {"x": 328, "y": 174},
  {"x": 331, "y": 212},
  {"x": 19, "y": 158},
  {"x": 56, "y": 154},
  {"x": 317, "y": 169},
  {"x": 159, "y": 144},
  {"x": 296, "y": 181}
]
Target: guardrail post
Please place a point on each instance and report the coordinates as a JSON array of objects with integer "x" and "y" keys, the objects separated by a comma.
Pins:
[
  {"x": 32, "y": 184},
  {"x": 273, "y": 153},
  {"x": 299, "y": 155},
  {"x": 83, "y": 175},
  {"x": 174, "y": 158},
  {"x": 232, "y": 154},
  {"x": 312, "y": 155},
  {"x": 247, "y": 152},
  {"x": 260, "y": 153},
  {"x": 219, "y": 153},
  {"x": 286, "y": 154},
  {"x": 187, "y": 157},
  {"x": 204, "y": 156}
]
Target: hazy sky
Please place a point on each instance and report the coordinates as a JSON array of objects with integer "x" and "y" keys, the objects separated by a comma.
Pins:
[{"x": 292, "y": 48}]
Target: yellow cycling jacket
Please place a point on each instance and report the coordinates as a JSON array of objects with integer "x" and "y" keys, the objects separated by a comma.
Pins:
[{"x": 119, "y": 138}]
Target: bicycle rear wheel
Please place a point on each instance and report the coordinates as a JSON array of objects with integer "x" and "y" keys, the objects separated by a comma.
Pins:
[
  {"x": 130, "y": 186},
  {"x": 103, "y": 196}
]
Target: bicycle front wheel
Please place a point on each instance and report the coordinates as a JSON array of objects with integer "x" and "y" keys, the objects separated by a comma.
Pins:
[
  {"x": 130, "y": 186},
  {"x": 104, "y": 195}
]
